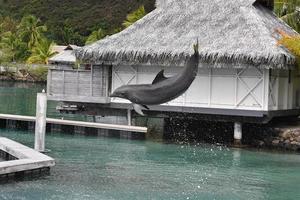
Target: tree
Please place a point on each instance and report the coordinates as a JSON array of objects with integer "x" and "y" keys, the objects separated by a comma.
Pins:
[
  {"x": 289, "y": 11},
  {"x": 95, "y": 36},
  {"x": 293, "y": 19},
  {"x": 134, "y": 16},
  {"x": 13, "y": 48},
  {"x": 42, "y": 52},
  {"x": 292, "y": 43},
  {"x": 284, "y": 7},
  {"x": 69, "y": 36},
  {"x": 8, "y": 24},
  {"x": 31, "y": 31}
]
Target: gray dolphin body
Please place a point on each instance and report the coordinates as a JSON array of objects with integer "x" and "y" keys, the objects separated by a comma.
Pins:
[{"x": 162, "y": 89}]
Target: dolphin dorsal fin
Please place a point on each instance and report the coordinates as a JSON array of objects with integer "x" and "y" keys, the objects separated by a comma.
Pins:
[{"x": 159, "y": 77}]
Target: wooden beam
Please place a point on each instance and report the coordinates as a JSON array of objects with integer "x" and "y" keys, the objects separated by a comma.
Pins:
[{"x": 138, "y": 129}]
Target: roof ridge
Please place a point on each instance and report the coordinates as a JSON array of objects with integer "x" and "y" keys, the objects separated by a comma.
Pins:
[
  {"x": 260, "y": 24},
  {"x": 273, "y": 35}
]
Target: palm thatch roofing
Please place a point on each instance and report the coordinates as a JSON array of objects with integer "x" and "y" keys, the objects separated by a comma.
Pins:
[
  {"x": 64, "y": 56},
  {"x": 232, "y": 33}
]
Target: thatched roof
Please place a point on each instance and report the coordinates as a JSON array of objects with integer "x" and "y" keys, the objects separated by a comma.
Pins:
[
  {"x": 232, "y": 31},
  {"x": 58, "y": 48},
  {"x": 65, "y": 56}
]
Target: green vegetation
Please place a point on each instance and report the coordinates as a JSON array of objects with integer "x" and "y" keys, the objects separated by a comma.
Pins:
[
  {"x": 41, "y": 52},
  {"x": 130, "y": 19},
  {"x": 71, "y": 22},
  {"x": 292, "y": 43},
  {"x": 12, "y": 47},
  {"x": 289, "y": 11},
  {"x": 38, "y": 73},
  {"x": 134, "y": 16},
  {"x": 22, "y": 40},
  {"x": 29, "y": 29},
  {"x": 95, "y": 36}
]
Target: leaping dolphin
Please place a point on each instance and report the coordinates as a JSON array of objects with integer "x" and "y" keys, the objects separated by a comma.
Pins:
[{"x": 162, "y": 89}]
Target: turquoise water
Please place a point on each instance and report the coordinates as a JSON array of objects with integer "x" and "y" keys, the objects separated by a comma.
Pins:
[
  {"x": 103, "y": 168},
  {"x": 18, "y": 98}
]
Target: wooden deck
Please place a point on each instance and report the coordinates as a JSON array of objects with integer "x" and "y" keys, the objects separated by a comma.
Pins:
[{"x": 26, "y": 158}]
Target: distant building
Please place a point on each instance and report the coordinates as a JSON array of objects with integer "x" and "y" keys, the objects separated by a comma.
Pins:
[
  {"x": 64, "y": 56},
  {"x": 72, "y": 81}
]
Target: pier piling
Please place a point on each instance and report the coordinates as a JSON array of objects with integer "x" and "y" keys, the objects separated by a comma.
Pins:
[
  {"x": 237, "y": 133},
  {"x": 40, "y": 124},
  {"x": 129, "y": 117}
]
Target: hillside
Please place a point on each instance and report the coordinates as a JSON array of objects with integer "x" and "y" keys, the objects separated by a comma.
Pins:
[
  {"x": 77, "y": 16},
  {"x": 71, "y": 21}
]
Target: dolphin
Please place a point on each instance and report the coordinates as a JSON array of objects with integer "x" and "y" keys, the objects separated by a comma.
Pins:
[{"x": 162, "y": 89}]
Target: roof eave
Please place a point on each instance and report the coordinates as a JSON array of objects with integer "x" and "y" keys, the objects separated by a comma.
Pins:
[{"x": 166, "y": 59}]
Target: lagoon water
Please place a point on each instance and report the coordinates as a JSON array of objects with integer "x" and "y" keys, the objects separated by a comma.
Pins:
[
  {"x": 19, "y": 98},
  {"x": 104, "y": 168},
  {"x": 90, "y": 167}
]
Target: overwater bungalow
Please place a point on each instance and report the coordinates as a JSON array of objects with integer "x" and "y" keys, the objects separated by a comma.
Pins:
[
  {"x": 69, "y": 80},
  {"x": 64, "y": 56},
  {"x": 243, "y": 72}
]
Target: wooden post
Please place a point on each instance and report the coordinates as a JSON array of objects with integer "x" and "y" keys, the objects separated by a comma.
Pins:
[
  {"x": 237, "y": 133},
  {"x": 91, "y": 81},
  {"x": 40, "y": 123},
  {"x": 63, "y": 86},
  {"x": 129, "y": 117}
]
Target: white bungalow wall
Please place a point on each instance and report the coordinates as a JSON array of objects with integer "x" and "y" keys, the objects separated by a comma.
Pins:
[
  {"x": 246, "y": 89},
  {"x": 284, "y": 90}
]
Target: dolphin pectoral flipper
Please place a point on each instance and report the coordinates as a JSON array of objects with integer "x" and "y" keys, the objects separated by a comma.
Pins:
[
  {"x": 159, "y": 77},
  {"x": 146, "y": 107},
  {"x": 138, "y": 109}
]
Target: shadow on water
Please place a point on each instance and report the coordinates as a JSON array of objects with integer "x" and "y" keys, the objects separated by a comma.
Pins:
[
  {"x": 193, "y": 131},
  {"x": 29, "y": 176}
]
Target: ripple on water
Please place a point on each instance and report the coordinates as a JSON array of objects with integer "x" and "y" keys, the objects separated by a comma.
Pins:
[{"x": 103, "y": 168}]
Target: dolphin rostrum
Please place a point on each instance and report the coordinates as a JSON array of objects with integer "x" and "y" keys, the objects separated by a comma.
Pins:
[{"x": 162, "y": 89}]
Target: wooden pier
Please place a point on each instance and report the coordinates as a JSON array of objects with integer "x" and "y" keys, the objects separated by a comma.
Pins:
[
  {"x": 25, "y": 158},
  {"x": 77, "y": 123}
]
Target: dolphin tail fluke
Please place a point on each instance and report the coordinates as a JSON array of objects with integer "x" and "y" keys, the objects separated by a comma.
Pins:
[
  {"x": 196, "y": 47},
  {"x": 138, "y": 109}
]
